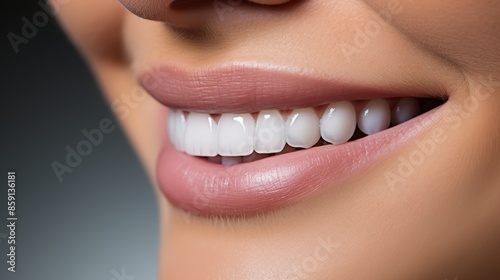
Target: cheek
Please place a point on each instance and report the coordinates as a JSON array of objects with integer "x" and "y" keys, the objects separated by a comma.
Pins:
[{"x": 464, "y": 32}]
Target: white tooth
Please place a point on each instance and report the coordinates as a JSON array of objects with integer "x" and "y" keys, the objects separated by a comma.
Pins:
[
  {"x": 179, "y": 128},
  {"x": 302, "y": 128},
  {"x": 405, "y": 109},
  {"x": 338, "y": 122},
  {"x": 235, "y": 136},
  {"x": 230, "y": 161},
  {"x": 269, "y": 132},
  {"x": 375, "y": 117},
  {"x": 201, "y": 135}
]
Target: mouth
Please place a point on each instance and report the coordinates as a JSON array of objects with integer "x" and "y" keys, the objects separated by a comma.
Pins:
[{"x": 244, "y": 139}]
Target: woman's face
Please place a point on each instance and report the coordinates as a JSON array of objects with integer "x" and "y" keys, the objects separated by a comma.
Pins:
[{"x": 418, "y": 200}]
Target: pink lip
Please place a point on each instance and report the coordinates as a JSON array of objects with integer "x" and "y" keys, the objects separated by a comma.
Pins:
[
  {"x": 201, "y": 187},
  {"x": 247, "y": 88}
]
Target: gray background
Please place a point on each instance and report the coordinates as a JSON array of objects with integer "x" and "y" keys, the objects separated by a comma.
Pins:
[{"x": 103, "y": 216}]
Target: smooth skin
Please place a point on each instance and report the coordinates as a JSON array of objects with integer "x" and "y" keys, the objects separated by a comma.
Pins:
[{"x": 440, "y": 220}]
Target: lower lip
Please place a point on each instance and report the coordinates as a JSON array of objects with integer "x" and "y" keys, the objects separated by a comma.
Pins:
[{"x": 200, "y": 187}]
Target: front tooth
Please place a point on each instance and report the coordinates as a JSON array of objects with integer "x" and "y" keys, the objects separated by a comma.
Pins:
[
  {"x": 235, "y": 136},
  {"x": 405, "y": 109},
  {"x": 375, "y": 117},
  {"x": 269, "y": 132},
  {"x": 338, "y": 122},
  {"x": 201, "y": 135},
  {"x": 302, "y": 128},
  {"x": 179, "y": 129}
]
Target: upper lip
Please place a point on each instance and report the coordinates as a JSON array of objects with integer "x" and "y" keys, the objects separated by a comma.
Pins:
[{"x": 246, "y": 87}]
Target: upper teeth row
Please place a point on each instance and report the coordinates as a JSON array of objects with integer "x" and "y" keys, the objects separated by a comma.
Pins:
[{"x": 240, "y": 135}]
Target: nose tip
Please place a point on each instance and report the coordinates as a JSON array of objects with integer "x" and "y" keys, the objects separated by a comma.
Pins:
[{"x": 184, "y": 13}]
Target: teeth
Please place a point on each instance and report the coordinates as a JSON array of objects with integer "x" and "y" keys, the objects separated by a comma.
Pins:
[
  {"x": 406, "y": 108},
  {"x": 201, "y": 135},
  {"x": 269, "y": 132},
  {"x": 176, "y": 128},
  {"x": 375, "y": 117},
  {"x": 230, "y": 161},
  {"x": 238, "y": 138},
  {"x": 302, "y": 128},
  {"x": 338, "y": 122},
  {"x": 236, "y": 133}
]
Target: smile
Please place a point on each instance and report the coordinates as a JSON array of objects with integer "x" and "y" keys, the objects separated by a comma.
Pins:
[{"x": 245, "y": 139}]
